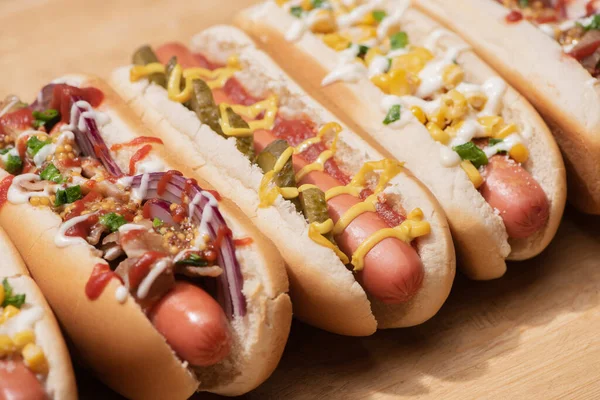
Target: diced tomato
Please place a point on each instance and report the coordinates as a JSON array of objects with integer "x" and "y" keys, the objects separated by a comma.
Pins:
[
  {"x": 18, "y": 120},
  {"x": 62, "y": 98}
]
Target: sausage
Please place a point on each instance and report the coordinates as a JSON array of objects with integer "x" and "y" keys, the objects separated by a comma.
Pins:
[
  {"x": 17, "y": 382},
  {"x": 194, "y": 325},
  {"x": 184, "y": 56},
  {"x": 393, "y": 271},
  {"x": 520, "y": 200}
]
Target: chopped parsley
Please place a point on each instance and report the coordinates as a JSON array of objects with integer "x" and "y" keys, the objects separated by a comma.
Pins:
[
  {"x": 34, "y": 145},
  {"x": 10, "y": 299},
  {"x": 13, "y": 164},
  {"x": 45, "y": 118},
  {"x": 393, "y": 114},
  {"x": 51, "y": 173},
  {"x": 469, "y": 151},
  {"x": 113, "y": 221},
  {"x": 399, "y": 40}
]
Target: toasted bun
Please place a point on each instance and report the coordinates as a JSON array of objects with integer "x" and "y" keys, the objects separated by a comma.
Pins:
[
  {"x": 479, "y": 233},
  {"x": 561, "y": 89},
  {"x": 324, "y": 292},
  {"x": 125, "y": 350},
  {"x": 60, "y": 382}
]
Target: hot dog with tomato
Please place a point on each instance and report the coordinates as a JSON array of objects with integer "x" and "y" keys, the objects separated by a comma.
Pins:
[
  {"x": 420, "y": 92},
  {"x": 34, "y": 361},
  {"x": 366, "y": 245},
  {"x": 163, "y": 286}
]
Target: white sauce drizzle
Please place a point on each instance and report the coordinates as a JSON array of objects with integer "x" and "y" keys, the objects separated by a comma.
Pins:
[
  {"x": 347, "y": 69},
  {"x": 139, "y": 193},
  {"x": 379, "y": 65},
  {"x": 100, "y": 117},
  {"x": 494, "y": 88},
  {"x": 431, "y": 75},
  {"x": 392, "y": 20},
  {"x": 121, "y": 294},
  {"x": 505, "y": 145},
  {"x": 357, "y": 14},
  {"x": 149, "y": 279},
  {"x": 17, "y": 194},
  {"x": 149, "y": 166},
  {"x": 132, "y": 227},
  {"x": 25, "y": 320},
  {"x": 9, "y": 106},
  {"x": 62, "y": 240}
]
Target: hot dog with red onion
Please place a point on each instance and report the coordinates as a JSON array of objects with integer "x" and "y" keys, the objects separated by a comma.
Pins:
[
  {"x": 366, "y": 244},
  {"x": 163, "y": 257},
  {"x": 420, "y": 92}
]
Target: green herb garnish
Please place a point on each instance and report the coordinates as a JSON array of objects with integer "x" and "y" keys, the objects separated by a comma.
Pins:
[
  {"x": 469, "y": 151},
  {"x": 398, "y": 40},
  {"x": 594, "y": 25},
  {"x": 14, "y": 164},
  {"x": 296, "y": 11},
  {"x": 157, "y": 223},
  {"x": 318, "y": 3},
  {"x": 68, "y": 195},
  {"x": 113, "y": 221},
  {"x": 523, "y": 3},
  {"x": 362, "y": 50},
  {"x": 379, "y": 15},
  {"x": 34, "y": 145},
  {"x": 193, "y": 260},
  {"x": 51, "y": 173},
  {"x": 494, "y": 141},
  {"x": 10, "y": 299},
  {"x": 393, "y": 114},
  {"x": 45, "y": 118}
]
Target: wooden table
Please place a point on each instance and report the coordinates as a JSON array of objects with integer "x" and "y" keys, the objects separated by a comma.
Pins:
[{"x": 533, "y": 334}]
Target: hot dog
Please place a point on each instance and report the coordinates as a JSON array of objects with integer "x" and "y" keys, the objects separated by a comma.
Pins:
[
  {"x": 170, "y": 277},
  {"x": 323, "y": 195},
  {"x": 420, "y": 94},
  {"x": 34, "y": 362},
  {"x": 549, "y": 51}
]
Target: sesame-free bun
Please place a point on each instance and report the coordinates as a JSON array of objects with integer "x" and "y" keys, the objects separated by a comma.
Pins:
[
  {"x": 324, "y": 292},
  {"x": 479, "y": 233},
  {"x": 117, "y": 340},
  {"x": 560, "y": 88},
  {"x": 60, "y": 381}
]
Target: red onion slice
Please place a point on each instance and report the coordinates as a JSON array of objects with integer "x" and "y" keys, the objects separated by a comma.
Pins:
[{"x": 158, "y": 208}]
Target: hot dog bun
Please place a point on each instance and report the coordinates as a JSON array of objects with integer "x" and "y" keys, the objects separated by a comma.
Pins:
[
  {"x": 60, "y": 382},
  {"x": 479, "y": 232},
  {"x": 560, "y": 88},
  {"x": 324, "y": 292},
  {"x": 118, "y": 340}
]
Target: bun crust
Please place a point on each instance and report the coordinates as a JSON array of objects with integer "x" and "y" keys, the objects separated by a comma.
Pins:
[
  {"x": 60, "y": 381},
  {"x": 324, "y": 292},
  {"x": 479, "y": 233},
  {"x": 559, "y": 87},
  {"x": 119, "y": 351}
]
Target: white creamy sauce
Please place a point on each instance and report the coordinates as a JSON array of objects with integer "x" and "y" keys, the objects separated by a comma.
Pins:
[
  {"x": 43, "y": 153},
  {"x": 592, "y": 82},
  {"x": 24, "y": 320},
  {"x": 9, "y": 106},
  {"x": 12, "y": 152},
  {"x": 432, "y": 75},
  {"x": 149, "y": 165},
  {"x": 149, "y": 279},
  {"x": 378, "y": 66},
  {"x": 62, "y": 240},
  {"x": 125, "y": 181},
  {"x": 132, "y": 227},
  {"x": 17, "y": 194},
  {"x": 207, "y": 216},
  {"x": 431, "y": 42},
  {"x": 508, "y": 143},
  {"x": 398, "y": 52},
  {"x": 449, "y": 158},
  {"x": 300, "y": 25},
  {"x": 393, "y": 20},
  {"x": 121, "y": 294},
  {"x": 494, "y": 88},
  {"x": 357, "y": 14},
  {"x": 548, "y": 29},
  {"x": 348, "y": 69},
  {"x": 25, "y": 135},
  {"x": 78, "y": 121},
  {"x": 139, "y": 193}
]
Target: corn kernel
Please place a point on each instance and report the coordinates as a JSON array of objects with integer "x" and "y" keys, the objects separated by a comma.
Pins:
[
  {"x": 7, "y": 346},
  {"x": 456, "y": 104},
  {"x": 306, "y": 5},
  {"x": 452, "y": 76},
  {"x": 368, "y": 33},
  {"x": 372, "y": 53},
  {"x": 421, "y": 52},
  {"x": 336, "y": 41},
  {"x": 174, "y": 249},
  {"x": 519, "y": 153},
  {"x": 477, "y": 100},
  {"x": 68, "y": 147},
  {"x": 60, "y": 149},
  {"x": 138, "y": 218},
  {"x": 438, "y": 117},
  {"x": 453, "y": 129},
  {"x": 399, "y": 85},
  {"x": 34, "y": 358},
  {"x": 181, "y": 236},
  {"x": 10, "y": 311},
  {"x": 325, "y": 23},
  {"x": 491, "y": 124},
  {"x": 472, "y": 173},
  {"x": 233, "y": 61},
  {"x": 437, "y": 133},
  {"x": 505, "y": 131},
  {"x": 382, "y": 81},
  {"x": 23, "y": 338},
  {"x": 409, "y": 62},
  {"x": 416, "y": 214},
  {"x": 44, "y": 201},
  {"x": 34, "y": 201},
  {"x": 419, "y": 114},
  {"x": 280, "y": 2},
  {"x": 369, "y": 19}
]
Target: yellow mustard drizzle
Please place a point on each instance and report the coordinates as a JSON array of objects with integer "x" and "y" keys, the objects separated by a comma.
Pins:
[
  {"x": 317, "y": 230},
  {"x": 411, "y": 228},
  {"x": 269, "y": 106},
  {"x": 319, "y": 163},
  {"x": 268, "y": 191}
]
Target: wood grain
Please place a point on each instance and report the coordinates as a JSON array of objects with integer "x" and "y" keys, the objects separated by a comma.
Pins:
[{"x": 531, "y": 334}]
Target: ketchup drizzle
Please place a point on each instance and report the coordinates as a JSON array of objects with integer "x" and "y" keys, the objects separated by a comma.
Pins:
[
  {"x": 101, "y": 275},
  {"x": 139, "y": 156},
  {"x": 4, "y": 186}
]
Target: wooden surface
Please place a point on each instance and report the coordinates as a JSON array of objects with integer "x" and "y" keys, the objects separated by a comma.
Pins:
[{"x": 533, "y": 334}]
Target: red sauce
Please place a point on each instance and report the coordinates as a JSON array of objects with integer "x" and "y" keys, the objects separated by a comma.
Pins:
[
  {"x": 4, "y": 186},
  {"x": 221, "y": 234},
  {"x": 139, "y": 156},
  {"x": 141, "y": 267},
  {"x": 22, "y": 146},
  {"x": 70, "y": 162},
  {"x": 236, "y": 92},
  {"x": 247, "y": 241},
  {"x": 215, "y": 194},
  {"x": 590, "y": 8},
  {"x": 514, "y": 16},
  {"x": 164, "y": 181},
  {"x": 62, "y": 99},
  {"x": 17, "y": 120},
  {"x": 82, "y": 229},
  {"x": 203, "y": 62},
  {"x": 584, "y": 51},
  {"x": 101, "y": 275},
  {"x": 79, "y": 205},
  {"x": 131, "y": 235},
  {"x": 147, "y": 206},
  {"x": 189, "y": 183},
  {"x": 136, "y": 142},
  {"x": 178, "y": 213}
]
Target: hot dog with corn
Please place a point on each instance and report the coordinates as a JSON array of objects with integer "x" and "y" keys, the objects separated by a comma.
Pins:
[
  {"x": 170, "y": 289},
  {"x": 420, "y": 93},
  {"x": 34, "y": 361},
  {"x": 366, "y": 244},
  {"x": 549, "y": 51}
]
